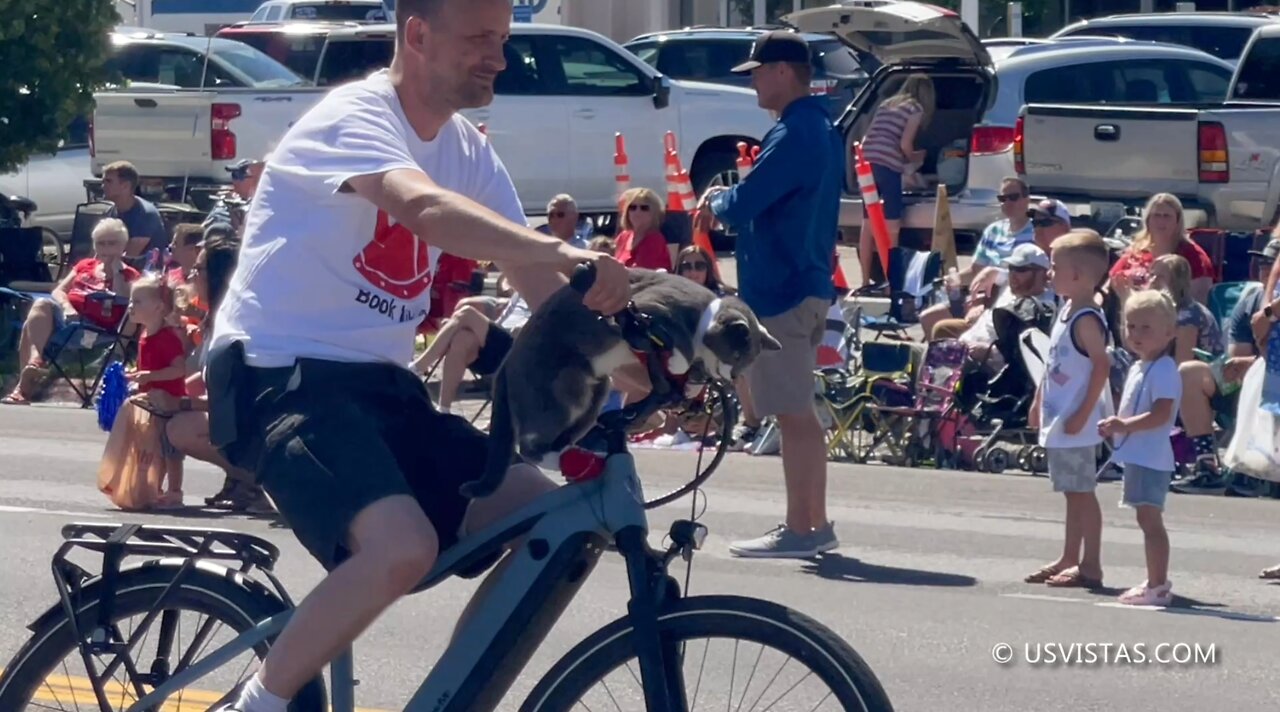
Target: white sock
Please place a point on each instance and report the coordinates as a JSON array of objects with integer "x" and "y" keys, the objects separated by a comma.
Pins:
[{"x": 255, "y": 698}]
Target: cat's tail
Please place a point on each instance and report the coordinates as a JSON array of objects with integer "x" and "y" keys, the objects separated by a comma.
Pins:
[{"x": 502, "y": 444}]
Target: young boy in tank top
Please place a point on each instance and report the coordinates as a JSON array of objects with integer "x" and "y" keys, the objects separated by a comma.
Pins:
[{"x": 1071, "y": 401}]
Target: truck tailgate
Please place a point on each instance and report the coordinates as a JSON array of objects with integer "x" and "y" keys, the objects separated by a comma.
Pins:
[
  {"x": 1120, "y": 153},
  {"x": 168, "y": 133}
]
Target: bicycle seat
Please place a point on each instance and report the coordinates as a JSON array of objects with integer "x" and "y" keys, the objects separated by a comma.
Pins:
[{"x": 19, "y": 203}]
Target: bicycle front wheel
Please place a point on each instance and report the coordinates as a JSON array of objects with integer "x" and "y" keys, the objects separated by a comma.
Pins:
[{"x": 737, "y": 653}]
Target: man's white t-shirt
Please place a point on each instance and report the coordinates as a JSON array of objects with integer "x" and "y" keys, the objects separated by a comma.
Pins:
[
  {"x": 323, "y": 273},
  {"x": 1146, "y": 384}
]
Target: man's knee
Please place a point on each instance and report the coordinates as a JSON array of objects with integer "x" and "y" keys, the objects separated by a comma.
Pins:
[{"x": 396, "y": 535}]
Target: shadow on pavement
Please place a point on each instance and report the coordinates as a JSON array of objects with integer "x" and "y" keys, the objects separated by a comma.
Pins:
[{"x": 842, "y": 568}]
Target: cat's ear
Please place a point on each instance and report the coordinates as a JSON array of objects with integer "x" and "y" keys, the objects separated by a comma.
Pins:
[{"x": 767, "y": 342}]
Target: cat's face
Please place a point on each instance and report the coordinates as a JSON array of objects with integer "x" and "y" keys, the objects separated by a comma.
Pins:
[{"x": 735, "y": 338}]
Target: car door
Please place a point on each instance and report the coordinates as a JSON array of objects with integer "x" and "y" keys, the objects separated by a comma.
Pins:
[
  {"x": 605, "y": 93},
  {"x": 529, "y": 128},
  {"x": 56, "y": 180}
]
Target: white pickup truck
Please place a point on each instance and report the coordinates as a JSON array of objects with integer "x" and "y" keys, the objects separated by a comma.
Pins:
[
  {"x": 564, "y": 94},
  {"x": 1222, "y": 160},
  {"x": 194, "y": 105}
]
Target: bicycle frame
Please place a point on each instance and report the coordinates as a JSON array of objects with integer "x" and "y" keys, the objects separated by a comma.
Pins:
[{"x": 561, "y": 537}]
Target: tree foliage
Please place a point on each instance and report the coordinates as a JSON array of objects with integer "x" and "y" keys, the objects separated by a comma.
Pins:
[{"x": 53, "y": 53}]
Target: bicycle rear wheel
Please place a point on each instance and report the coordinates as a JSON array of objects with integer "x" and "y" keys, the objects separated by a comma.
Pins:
[
  {"x": 766, "y": 656},
  {"x": 204, "y": 612}
]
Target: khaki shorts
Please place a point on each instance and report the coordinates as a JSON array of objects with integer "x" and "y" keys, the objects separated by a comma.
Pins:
[{"x": 782, "y": 382}]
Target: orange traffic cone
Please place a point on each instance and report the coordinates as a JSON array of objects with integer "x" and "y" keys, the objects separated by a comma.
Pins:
[
  {"x": 837, "y": 276},
  {"x": 875, "y": 208},
  {"x": 622, "y": 170}
]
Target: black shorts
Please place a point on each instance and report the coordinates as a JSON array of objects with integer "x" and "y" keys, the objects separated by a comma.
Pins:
[
  {"x": 347, "y": 435},
  {"x": 496, "y": 345}
]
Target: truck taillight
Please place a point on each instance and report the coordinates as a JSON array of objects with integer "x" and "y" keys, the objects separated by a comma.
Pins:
[
  {"x": 990, "y": 140},
  {"x": 1214, "y": 164},
  {"x": 1019, "y": 146},
  {"x": 222, "y": 141}
]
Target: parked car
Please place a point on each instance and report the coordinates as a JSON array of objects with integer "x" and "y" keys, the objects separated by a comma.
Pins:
[
  {"x": 1221, "y": 34},
  {"x": 296, "y": 45},
  {"x": 708, "y": 55},
  {"x": 970, "y": 139},
  {"x": 193, "y": 106},
  {"x": 564, "y": 94},
  {"x": 55, "y": 181},
  {"x": 1220, "y": 157},
  {"x": 318, "y": 11}
]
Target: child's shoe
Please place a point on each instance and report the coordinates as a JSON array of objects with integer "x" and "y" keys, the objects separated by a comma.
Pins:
[
  {"x": 170, "y": 500},
  {"x": 1144, "y": 595}
]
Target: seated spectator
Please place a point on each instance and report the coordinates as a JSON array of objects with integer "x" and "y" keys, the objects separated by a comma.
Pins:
[
  {"x": 997, "y": 244},
  {"x": 73, "y": 299},
  {"x": 694, "y": 263},
  {"x": 184, "y": 250},
  {"x": 245, "y": 175},
  {"x": 1028, "y": 278},
  {"x": 1164, "y": 232},
  {"x": 563, "y": 221},
  {"x": 1215, "y": 388},
  {"x": 641, "y": 242},
  {"x": 1050, "y": 220},
  {"x": 145, "y": 227},
  {"x": 188, "y": 429},
  {"x": 1197, "y": 327}
]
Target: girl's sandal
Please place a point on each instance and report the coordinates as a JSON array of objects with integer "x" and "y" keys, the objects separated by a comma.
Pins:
[
  {"x": 170, "y": 500},
  {"x": 1043, "y": 574}
]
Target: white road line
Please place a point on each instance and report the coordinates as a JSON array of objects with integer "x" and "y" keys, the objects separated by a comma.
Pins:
[
  {"x": 5, "y": 509},
  {"x": 1208, "y": 613}
]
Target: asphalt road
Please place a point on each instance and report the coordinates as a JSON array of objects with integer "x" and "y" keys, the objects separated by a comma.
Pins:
[{"x": 926, "y": 583}]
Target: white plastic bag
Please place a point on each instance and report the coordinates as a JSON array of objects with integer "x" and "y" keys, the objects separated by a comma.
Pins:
[{"x": 1255, "y": 447}]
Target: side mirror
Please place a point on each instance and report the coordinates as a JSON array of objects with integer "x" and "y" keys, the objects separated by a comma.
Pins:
[{"x": 661, "y": 92}]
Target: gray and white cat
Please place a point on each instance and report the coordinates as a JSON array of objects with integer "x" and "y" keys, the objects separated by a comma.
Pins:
[{"x": 555, "y": 379}]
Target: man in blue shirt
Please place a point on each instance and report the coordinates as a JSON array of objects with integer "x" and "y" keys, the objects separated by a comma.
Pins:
[
  {"x": 146, "y": 227},
  {"x": 786, "y": 214}
]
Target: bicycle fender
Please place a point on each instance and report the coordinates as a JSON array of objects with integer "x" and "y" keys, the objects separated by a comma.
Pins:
[{"x": 89, "y": 589}]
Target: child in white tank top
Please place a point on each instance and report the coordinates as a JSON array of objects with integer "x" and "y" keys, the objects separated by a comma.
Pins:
[{"x": 1070, "y": 402}]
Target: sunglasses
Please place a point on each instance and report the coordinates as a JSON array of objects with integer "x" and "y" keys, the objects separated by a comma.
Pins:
[
  {"x": 1043, "y": 222},
  {"x": 1023, "y": 269},
  {"x": 693, "y": 267},
  {"x": 560, "y": 214},
  {"x": 643, "y": 207},
  {"x": 1009, "y": 197}
]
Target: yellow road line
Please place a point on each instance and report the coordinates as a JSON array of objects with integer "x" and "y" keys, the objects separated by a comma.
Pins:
[{"x": 78, "y": 691}]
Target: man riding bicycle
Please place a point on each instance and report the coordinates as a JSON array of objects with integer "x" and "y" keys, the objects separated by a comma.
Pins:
[{"x": 309, "y": 384}]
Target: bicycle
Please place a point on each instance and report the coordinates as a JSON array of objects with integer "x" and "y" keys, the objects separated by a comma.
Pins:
[{"x": 562, "y": 536}]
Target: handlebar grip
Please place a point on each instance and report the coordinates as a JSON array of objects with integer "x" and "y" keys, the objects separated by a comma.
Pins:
[{"x": 584, "y": 275}]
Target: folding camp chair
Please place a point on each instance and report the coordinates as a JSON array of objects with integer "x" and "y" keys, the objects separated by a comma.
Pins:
[
  {"x": 23, "y": 268},
  {"x": 846, "y": 396},
  {"x": 912, "y": 432},
  {"x": 915, "y": 280}
]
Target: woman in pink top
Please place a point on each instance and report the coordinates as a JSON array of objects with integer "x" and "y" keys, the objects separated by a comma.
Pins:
[{"x": 641, "y": 242}]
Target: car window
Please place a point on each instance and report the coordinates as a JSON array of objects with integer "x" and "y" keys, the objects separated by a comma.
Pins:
[
  {"x": 77, "y": 135},
  {"x": 259, "y": 15},
  {"x": 300, "y": 53},
  {"x": 646, "y": 51},
  {"x": 522, "y": 76},
  {"x": 836, "y": 59},
  {"x": 180, "y": 67},
  {"x": 256, "y": 68},
  {"x": 345, "y": 61},
  {"x": 702, "y": 61},
  {"x": 591, "y": 69},
  {"x": 274, "y": 13},
  {"x": 337, "y": 12},
  {"x": 1072, "y": 84},
  {"x": 1222, "y": 42},
  {"x": 1208, "y": 82},
  {"x": 1259, "y": 77}
]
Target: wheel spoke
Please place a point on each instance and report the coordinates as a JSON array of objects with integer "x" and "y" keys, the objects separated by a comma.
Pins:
[
  {"x": 754, "y": 666},
  {"x": 609, "y": 692},
  {"x": 701, "y": 669},
  {"x": 733, "y": 673},
  {"x": 765, "y": 691},
  {"x": 824, "y": 699},
  {"x": 807, "y": 675}
]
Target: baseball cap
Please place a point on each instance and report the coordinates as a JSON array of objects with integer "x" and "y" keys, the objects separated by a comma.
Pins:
[
  {"x": 1027, "y": 255},
  {"x": 1270, "y": 252},
  {"x": 240, "y": 169},
  {"x": 775, "y": 46},
  {"x": 1052, "y": 209}
]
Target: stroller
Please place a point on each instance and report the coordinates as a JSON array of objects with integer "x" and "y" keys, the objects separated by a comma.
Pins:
[{"x": 998, "y": 408}]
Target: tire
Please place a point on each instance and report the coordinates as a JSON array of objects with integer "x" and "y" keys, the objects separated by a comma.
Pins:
[
  {"x": 220, "y": 598},
  {"x": 830, "y": 658}
]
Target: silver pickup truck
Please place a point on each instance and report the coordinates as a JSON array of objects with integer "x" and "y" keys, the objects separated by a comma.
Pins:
[{"x": 1222, "y": 160}]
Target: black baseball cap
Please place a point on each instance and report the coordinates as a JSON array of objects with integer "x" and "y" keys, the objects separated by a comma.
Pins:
[
  {"x": 776, "y": 46},
  {"x": 1270, "y": 252}
]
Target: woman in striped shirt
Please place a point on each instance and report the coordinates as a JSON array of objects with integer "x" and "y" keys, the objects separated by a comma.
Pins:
[{"x": 889, "y": 146}]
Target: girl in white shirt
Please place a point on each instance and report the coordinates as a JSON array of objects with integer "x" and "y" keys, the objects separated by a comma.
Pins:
[{"x": 1140, "y": 434}]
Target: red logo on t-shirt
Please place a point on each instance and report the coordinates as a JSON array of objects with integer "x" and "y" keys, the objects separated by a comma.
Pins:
[{"x": 395, "y": 260}]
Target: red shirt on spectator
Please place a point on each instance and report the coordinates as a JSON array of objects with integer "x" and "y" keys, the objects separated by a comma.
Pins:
[
  {"x": 1139, "y": 264},
  {"x": 85, "y": 282},
  {"x": 649, "y": 253},
  {"x": 158, "y": 352}
]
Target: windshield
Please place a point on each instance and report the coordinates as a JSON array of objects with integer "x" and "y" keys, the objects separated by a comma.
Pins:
[
  {"x": 257, "y": 69},
  {"x": 340, "y": 12},
  {"x": 837, "y": 59},
  {"x": 344, "y": 61}
]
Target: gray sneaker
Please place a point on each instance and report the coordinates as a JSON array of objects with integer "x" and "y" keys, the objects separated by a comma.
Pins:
[{"x": 783, "y": 543}]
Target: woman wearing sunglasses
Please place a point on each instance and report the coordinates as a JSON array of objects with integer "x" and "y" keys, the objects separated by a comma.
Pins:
[
  {"x": 694, "y": 263},
  {"x": 641, "y": 242}
]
